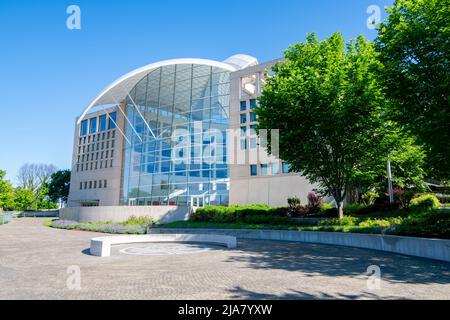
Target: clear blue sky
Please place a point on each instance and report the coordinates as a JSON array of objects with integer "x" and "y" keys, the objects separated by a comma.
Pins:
[{"x": 49, "y": 74}]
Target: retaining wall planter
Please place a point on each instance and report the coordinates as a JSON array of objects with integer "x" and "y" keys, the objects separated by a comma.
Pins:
[{"x": 437, "y": 249}]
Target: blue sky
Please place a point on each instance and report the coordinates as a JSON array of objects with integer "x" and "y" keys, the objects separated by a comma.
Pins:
[{"x": 49, "y": 74}]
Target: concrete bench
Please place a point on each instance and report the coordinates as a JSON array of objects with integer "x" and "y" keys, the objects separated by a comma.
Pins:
[{"x": 101, "y": 246}]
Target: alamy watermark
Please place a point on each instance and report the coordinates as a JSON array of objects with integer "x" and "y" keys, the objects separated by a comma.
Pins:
[
  {"x": 374, "y": 277},
  {"x": 73, "y": 281},
  {"x": 374, "y": 19},
  {"x": 73, "y": 21}
]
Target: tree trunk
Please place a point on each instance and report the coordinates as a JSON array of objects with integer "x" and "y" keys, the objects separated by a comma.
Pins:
[{"x": 341, "y": 209}]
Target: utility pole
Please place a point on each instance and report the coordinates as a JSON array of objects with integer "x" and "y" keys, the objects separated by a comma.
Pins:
[{"x": 391, "y": 191}]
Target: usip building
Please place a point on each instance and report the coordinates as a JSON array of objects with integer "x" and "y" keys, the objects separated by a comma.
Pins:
[{"x": 179, "y": 133}]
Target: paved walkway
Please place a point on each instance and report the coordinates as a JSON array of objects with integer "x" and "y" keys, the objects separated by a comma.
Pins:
[{"x": 34, "y": 261}]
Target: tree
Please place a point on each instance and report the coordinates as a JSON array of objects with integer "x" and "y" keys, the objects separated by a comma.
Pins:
[
  {"x": 35, "y": 177},
  {"x": 414, "y": 47},
  {"x": 6, "y": 192},
  {"x": 24, "y": 199},
  {"x": 58, "y": 188},
  {"x": 31, "y": 176},
  {"x": 407, "y": 163},
  {"x": 327, "y": 102}
]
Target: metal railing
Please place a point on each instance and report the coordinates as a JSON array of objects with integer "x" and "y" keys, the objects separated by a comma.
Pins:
[{"x": 5, "y": 217}]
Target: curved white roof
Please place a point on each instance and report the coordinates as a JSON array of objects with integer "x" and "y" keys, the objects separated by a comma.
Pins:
[{"x": 117, "y": 91}]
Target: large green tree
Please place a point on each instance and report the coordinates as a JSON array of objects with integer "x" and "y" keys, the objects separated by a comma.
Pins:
[
  {"x": 58, "y": 188},
  {"x": 414, "y": 46},
  {"x": 327, "y": 102},
  {"x": 24, "y": 199},
  {"x": 6, "y": 192}
]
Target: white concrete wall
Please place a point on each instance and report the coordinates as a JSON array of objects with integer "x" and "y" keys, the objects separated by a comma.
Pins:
[
  {"x": 162, "y": 214},
  {"x": 438, "y": 249}
]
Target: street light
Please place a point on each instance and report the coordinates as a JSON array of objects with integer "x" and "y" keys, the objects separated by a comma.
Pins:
[{"x": 391, "y": 191}]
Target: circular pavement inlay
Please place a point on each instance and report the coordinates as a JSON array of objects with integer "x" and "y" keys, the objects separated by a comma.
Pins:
[{"x": 163, "y": 249}]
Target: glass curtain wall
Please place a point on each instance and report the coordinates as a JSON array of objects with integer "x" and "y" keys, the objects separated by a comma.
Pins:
[{"x": 186, "y": 109}]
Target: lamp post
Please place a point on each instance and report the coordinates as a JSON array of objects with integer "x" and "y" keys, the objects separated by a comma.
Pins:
[{"x": 391, "y": 191}]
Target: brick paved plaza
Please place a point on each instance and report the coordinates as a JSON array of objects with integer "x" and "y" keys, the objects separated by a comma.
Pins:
[{"x": 34, "y": 260}]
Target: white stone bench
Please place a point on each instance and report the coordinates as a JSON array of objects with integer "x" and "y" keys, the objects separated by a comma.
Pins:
[{"x": 101, "y": 246}]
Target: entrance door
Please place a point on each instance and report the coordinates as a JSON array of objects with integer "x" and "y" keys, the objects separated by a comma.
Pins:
[{"x": 132, "y": 201}]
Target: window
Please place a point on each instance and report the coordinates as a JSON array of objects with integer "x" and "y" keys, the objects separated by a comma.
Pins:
[
  {"x": 85, "y": 185},
  {"x": 99, "y": 184},
  {"x": 253, "y": 170},
  {"x": 95, "y": 184},
  {"x": 102, "y": 123},
  {"x": 275, "y": 168},
  {"x": 93, "y": 125},
  {"x": 243, "y": 131},
  {"x": 90, "y": 184},
  {"x": 110, "y": 163},
  {"x": 243, "y": 105},
  {"x": 252, "y": 103},
  {"x": 112, "y": 153},
  {"x": 112, "y": 120},
  {"x": 84, "y": 127},
  {"x": 112, "y": 143},
  {"x": 264, "y": 169},
  {"x": 243, "y": 144},
  {"x": 253, "y": 143},
  {"x": 285, "y": 168},
  {"x": 81, "y": 185},
  {"x": 243, "y": 118},
  {"x": 252, "y": 117},
  {"x": 113, "y": 135},
  {"x": 104, "y": 184}
]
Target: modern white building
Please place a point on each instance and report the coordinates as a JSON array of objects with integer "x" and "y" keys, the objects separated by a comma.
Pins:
[{"x": 179, "y": 133}]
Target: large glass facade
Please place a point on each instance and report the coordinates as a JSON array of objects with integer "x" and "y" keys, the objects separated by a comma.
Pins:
[{"x": 175, "y": 114}]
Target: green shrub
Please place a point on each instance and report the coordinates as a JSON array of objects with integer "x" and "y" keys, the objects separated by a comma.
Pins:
[
  {"x": 354, "y": 208},
  {"x": 432, "y": 223},
  {"x": 134, "y": 221},
  {"x": 369, "y": 197},
  {"x": 346, "y": 221},
  {"x": 267, "y": 219},
  {"x": 426, "y": 201}
]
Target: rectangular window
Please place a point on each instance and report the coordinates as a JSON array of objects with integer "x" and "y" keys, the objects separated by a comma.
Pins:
[
  {"x": 253, "y": 170},
  {"x": 243, "y": 144},
  {"x": 113, "y": 135},
  {"x": 104, "y": 184},
  {"x": 81, "y": 185},
  {"x": 253, "y": 143},
  {"x": 110, "y": 163},
  {"x": 85, "y": 185},
  {"x": 93, "y": 125},
  {"x": 264, "y": 169},
  {"x": 285, "y": 168},
  {"x": 243, "y": 105},
  {"x": 252, "y": 103},
  {"x": 112, "y": 153},
  {"x": 99, "y": 184},
  {"x": 102, "y": 123},
  {"x": 112, "y": 120},
  {"x": 243, "y": 118},
  {"x": 95, "y": 184},
  {"x": 275, "y": 168},
  {"x": 243, "y": 131},
  {"x": 90, "y": 184},
  {"x": 84, "y": 127},
  {"x": 252, "y": 117},
  {"x": 112, "y": 143}
]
